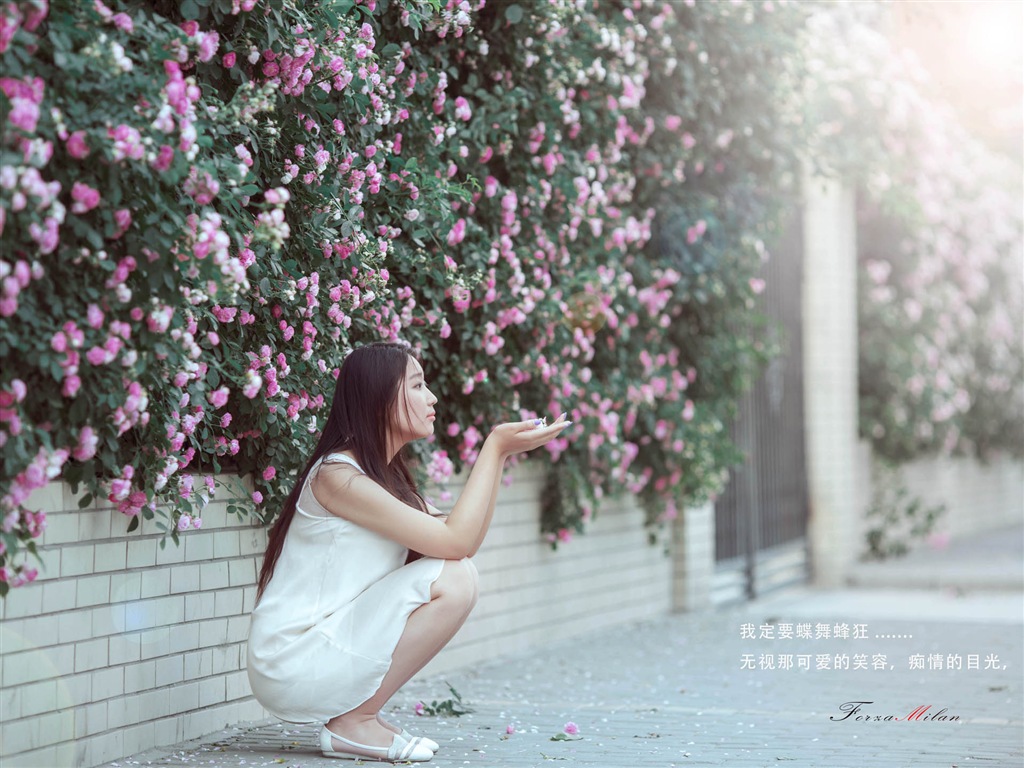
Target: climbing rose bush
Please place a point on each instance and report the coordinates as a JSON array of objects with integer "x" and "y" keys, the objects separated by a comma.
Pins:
[
  {"x": 560, "y": 206},
  {"x": 940, "y": 236}
]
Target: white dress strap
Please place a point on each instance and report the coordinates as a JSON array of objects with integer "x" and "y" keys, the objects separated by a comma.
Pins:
[
  {"x": 343, "y": 458},
  {"x": 330, "y": 458}
]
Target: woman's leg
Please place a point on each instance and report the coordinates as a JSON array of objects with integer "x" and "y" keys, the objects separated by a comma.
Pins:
[{"x": 427, "y": 631}]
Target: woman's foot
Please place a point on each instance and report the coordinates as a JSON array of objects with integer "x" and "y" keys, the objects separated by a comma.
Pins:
[
  {"x": 362, "y": 730},
  {"x": 432, "y": 745}
]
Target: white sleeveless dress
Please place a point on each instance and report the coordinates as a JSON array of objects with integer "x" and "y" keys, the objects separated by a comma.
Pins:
[{"x": 324, "y": 630}]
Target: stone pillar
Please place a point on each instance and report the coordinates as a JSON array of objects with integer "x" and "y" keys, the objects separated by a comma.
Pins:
[
  {"x": 693, "y": 558},
  {"x": 830, "y": 377}
]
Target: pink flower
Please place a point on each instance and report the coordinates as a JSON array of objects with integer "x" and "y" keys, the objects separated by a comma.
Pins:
[
  {"x": 97, "y": 356},
  {"x": 672, "y": 122},
  {"x": 457, "y": 233},
  {"x": 418, "y": 708},
  {"x": 688, "y": 411},
  {"x": 123, "y": 220},
  {"x": 571, "y": 728},
  {"x": 270, "y": 472},
  {"x": 510, "y": 729},
  {"x": 24, "y": 114},
  {"x": 184, "y": 522},
  {"x": 119, "y": 489},
  {"x": 164, "y": 158},
  {"x": 94, "y": 316},
  {"x": 87, "y": 442},
  {"x": 257, "y": 497},
  {"x": 219, "y": 397},
  {"x": 76, "y": 145},
  {"x": 208, "y": 45},
  {"x": 757, "y": 285},
  {"x": 123, "y": 22},
  {"x": 197, "y": 523},
  {"x": 71, "y": 386},
  {"x": 86, "y": 198},
  {"x": 694, "y": 233},
  {"x": 228, "y": 60}
]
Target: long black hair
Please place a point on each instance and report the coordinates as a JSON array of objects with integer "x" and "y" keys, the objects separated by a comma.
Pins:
[{"x": 363, "y": 410}]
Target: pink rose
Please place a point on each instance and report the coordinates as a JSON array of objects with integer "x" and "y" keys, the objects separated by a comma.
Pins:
[
  {"x": 219, "y": 397},
  {"x": 228, "y": 60},
  {"x": 96, "y": 355},
  {"x": 86, "y": 198},
  {"x": 123, "y": 22},
  {"x": 87, "y": 442},
  {"x": 76, "y": 145},
  {"x": 71, "y": 386},
  {"x": 164, "y": 158},
  {"x": 208, "y": 45}
]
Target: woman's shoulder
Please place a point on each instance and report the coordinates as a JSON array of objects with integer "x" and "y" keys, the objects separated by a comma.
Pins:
[{"x": 341, "y": 457}]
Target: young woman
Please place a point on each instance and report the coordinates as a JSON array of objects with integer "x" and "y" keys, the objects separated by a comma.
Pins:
[{"x": 363, "y": 582}]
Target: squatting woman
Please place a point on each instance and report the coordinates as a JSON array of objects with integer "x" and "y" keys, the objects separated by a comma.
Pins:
[{"x": 363, "y": 582}]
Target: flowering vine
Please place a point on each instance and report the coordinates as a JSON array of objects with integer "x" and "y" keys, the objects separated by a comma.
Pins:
[{"x": 560, "y": 206}]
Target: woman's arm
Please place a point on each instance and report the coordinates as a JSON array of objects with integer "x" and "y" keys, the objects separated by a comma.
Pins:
[{"x": 349, "y": 494}]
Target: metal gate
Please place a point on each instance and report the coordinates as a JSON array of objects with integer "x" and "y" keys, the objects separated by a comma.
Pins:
[{"x": 761, "y": 517}]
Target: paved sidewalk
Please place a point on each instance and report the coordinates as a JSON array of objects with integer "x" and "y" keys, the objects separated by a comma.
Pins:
[{"x": 672, "y": 692}]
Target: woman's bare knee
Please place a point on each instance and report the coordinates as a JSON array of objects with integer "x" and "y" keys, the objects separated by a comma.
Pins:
[{"x": 457, "y": 583}]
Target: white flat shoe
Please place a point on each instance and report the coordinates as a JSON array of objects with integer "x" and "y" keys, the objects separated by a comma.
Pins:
[
  {"x": 401, "y": 749},
  {"x": 430, "y": 744}
]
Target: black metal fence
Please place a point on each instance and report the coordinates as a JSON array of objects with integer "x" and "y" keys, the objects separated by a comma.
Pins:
[{"x": 761, "y": 518}]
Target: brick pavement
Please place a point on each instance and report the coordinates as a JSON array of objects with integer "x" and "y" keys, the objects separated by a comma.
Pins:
[{"x": 673, "y": 692}]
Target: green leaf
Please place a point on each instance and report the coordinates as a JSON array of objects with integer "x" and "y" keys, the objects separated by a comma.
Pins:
[
  {"x": 135, "y": 524},
  {"x": 514, "y": 14}
]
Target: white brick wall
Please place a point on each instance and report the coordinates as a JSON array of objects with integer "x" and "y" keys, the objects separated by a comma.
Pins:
[
  {"x": 95, "y": 653},
  {"x": 121, "y": 646},
  {"x": 978, "y": 497}
]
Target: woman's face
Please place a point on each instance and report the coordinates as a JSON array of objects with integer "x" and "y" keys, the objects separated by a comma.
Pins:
[{"x": 415, "y": 406}]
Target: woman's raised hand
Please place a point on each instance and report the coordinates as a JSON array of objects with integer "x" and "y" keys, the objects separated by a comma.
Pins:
[{"x": 520, "y": 436}]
